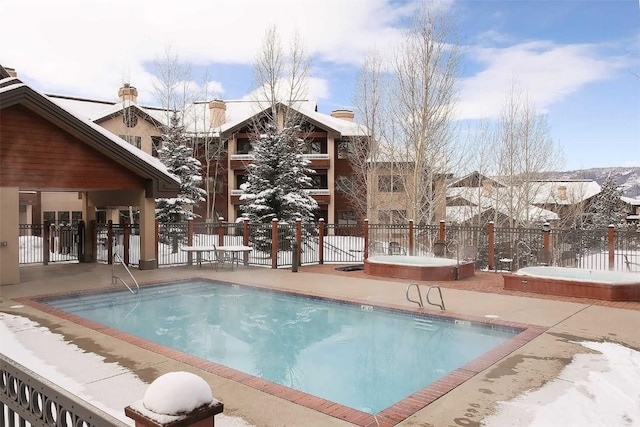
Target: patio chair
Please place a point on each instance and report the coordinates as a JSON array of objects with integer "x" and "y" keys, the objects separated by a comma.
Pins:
[
  {"x": 440, "y": 248},
  {"x": 470, "y": 253},
  {"x": 396, "y": 249}
]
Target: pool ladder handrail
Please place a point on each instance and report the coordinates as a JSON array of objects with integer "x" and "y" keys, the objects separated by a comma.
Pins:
[
  {"x": 114, "y": 278},
  {"x": 420, "y": 301}
]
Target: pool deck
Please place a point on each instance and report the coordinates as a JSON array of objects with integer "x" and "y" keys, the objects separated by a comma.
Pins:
[{"x": 567, "y": 320}]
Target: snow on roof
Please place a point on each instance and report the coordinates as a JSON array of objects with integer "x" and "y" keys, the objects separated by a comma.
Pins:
[
  {"x": 86, "y": 108},
  {"x": 566, "y": 192},
  {"x": 141, "y": 155},
  {"x": 631, "y": 201}
]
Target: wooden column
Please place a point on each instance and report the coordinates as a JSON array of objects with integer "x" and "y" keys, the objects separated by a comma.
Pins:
[
  {"x": 611, "y": 246},
  {"x": 220, "y": 231},
  {"x": 245, "y": 238},
  {"x": 189, "y": 241},
  {"x": 441, "y": 231},
  {"x": 299, "y": 239}
]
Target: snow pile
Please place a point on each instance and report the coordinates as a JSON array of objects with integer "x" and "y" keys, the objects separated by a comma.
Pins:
[
  {"x": 594, "y": 390},
  {"x": 177, "y": 393}
]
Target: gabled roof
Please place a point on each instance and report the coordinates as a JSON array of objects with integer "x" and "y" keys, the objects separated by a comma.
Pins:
[
  {"x": 98, "y": 111},
  {"x": 159, "y": 181},
  {"x": 564, "y": 192},
  {"x": 474, "y": 178},
  {"x": 251, "y": 109}
]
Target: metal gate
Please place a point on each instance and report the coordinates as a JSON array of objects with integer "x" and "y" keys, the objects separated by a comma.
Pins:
[{"x": 41, "y": 244}]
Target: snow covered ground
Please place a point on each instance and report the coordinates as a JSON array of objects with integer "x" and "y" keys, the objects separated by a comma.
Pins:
[{"x": 597, "y": 389}]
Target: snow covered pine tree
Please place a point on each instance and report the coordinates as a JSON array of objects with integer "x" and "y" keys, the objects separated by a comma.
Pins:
[{"x": 275, "y": 188}]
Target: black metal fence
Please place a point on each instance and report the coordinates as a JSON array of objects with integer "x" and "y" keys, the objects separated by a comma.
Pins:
[{"x": 513, "y": 248}]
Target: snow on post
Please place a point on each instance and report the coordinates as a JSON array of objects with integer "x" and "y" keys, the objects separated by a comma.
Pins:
[{"x": 175, "y": 399}]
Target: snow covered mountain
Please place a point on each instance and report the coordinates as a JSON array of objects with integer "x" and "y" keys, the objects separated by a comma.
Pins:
[{"x": 628, "y": 178}]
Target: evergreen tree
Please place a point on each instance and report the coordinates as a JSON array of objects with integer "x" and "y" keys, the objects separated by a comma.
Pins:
[
  {"x": 277, "y": 179},
  {"x": 176, "y": 155},
  {"x": 607, "y": 207}
]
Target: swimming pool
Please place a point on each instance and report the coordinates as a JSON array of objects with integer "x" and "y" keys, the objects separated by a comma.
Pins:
[{"x": 364, "y": 357}]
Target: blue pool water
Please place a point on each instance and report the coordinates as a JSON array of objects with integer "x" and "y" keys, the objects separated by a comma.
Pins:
[{"x": 362, "y": 357}]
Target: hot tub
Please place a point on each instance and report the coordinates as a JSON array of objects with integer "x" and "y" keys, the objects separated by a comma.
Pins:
[
  {"x": 417, "y": 267},
  {"x": 576, "y": 282}
]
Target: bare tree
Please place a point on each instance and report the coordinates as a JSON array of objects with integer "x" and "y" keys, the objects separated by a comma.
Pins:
[
  {"x": 525, "y": 151},
  {"x": 364, "y": 150},
  {"x": 172, "y": 87},
  {"x": 423, "y": 107}
]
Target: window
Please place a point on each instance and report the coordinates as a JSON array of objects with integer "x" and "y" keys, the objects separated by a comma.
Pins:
[
  {"x": 63, "y": 217},
  {"x": 347, "y": 217},
  {"x": 244, "y": 146},
  {"x": 136, "y": 141},
  {"x": 392, "y": 217},
  {"x": 346, "y": 184},
  {"x": 156, "y": 144},
  {"x": 130, "y": 118},
  {"x": 312, "y": 147},
  {"x": 76, "y": 217},
  {"x": 344, "y": 148},
  {"x": 49, "y": 217},
  {"x": 319, "y": 181},
  {"x": 390, "y": 183},
  {"x": 241, "y": 179}
]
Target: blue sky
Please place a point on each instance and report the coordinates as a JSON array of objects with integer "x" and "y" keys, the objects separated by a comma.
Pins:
[{"x": 576, "y": 59}]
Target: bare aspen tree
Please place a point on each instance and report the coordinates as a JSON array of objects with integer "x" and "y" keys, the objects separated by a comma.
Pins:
[
  {"x": 281, "y": 77},
  {"x": 364, "y": 149},
  {"x": 525, "y": 151},
  {"x": 425, "y": 72},
  {"x": 209, "y": 145},
  {"x": 172, "y": 89}
]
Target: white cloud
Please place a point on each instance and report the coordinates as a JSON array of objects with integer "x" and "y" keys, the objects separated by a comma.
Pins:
[
  {"x": 548, "y": 71},
  {"x": 90, "y": 48}
]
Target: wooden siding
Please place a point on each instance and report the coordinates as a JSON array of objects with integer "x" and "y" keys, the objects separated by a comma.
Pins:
[{"x": 37, "y": 155}]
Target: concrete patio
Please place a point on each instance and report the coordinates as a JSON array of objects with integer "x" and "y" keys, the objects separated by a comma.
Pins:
[{"x": 568, "y": 320}]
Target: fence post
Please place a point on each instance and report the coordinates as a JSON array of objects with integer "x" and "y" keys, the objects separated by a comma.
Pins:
[
  {"x": 490, "y": 243},
  {"x": 220, "y": 231},
  {"x": 52, "y": 238},
  {"x": 157, "y": 233},
  {"x": 611, "y": 241},
  {"x": 245, "y": 239},
  {"x": 411, "y": 238},
  {"x": 366, "y": 238},
  {"x": 189, "y": 389},
  {"x": 189, "y": 241},
  {"x": 46, "y": 235},
  {"x": 299, "y": 239},
  {"x": 110, "y": 242},
  {"x": 125, "y": 242},
  {"x": 321, "y": 241},
  {"x": 274, "y": 243},
  {"x": 546, "y": 236},
  {"x": 441, "y": 231},
  {"x": 82, "y": 230},
  {"x": 93, "y": 229}
]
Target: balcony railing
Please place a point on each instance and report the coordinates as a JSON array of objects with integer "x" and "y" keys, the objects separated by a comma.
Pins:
[
  {"x": 311, "y": 191},
  {"x": 315, "y": 156}
]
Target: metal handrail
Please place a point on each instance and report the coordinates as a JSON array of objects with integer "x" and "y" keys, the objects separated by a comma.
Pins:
[
  {"x": 114, "y": 278},
  {"x": 420, "y": 302},
  {"x": 441, "y": 300}
]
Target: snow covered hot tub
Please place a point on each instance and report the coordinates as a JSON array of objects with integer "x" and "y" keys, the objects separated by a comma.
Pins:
[
  {"x": 417, "y": 267},
  {"x": 576, "y": 282}
]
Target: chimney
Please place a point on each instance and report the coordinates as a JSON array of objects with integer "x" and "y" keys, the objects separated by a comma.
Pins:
[
  {"x": 562, "y": 192},
  {"x": 343, "y": 114},
  {"x": 217, "y": 110},
  {"x": 487, "y": 188},
  {"x": 128, "y": 93},
  {"x": 12, "y": 72}
]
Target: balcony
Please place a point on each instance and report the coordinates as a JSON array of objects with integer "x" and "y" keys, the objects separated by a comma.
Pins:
[
  {"x": 316, "y": 160},
  {"x": 321, "y": 195}
]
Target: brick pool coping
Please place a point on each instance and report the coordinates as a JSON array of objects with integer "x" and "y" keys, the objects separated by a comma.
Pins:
[{"x": 390, "y": 416}]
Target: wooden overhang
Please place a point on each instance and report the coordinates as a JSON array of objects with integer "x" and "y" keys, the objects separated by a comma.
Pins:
[{"x": 158, "y": 182}]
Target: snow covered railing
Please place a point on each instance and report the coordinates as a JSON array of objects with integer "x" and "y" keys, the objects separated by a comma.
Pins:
[{"x": 26, "y": 397}]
